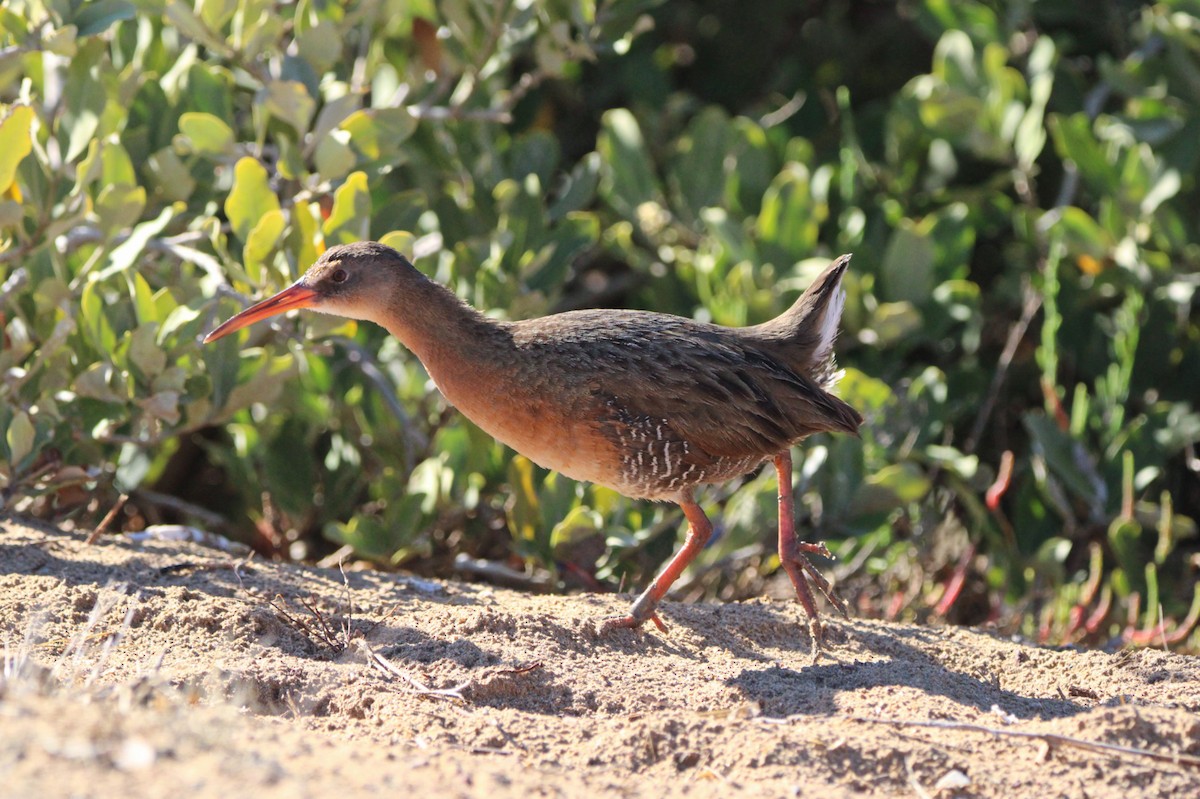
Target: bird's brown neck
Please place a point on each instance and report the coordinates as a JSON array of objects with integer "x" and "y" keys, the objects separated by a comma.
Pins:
[{"x": 458, "y": 345}]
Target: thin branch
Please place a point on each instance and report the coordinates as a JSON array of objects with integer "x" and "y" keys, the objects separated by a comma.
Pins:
[
  {"x": 500, "y": 574},
  {"x": 1016, "y": 333},
  {"x": 365, "y": 361},
  {"x": 319, "y": 631},
  {"x": 528, "y": 82},
  {"x": 182, "y": 506},
  {"x": 102, "y": 527},
  {"x": 784, "y": 112},
  {"x": 442, "y": 113},
  {"x": 381, "y": 664},
  {"x": 1116, "y": 750}
]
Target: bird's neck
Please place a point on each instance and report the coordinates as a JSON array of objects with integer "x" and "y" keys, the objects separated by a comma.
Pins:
[{"x": 456, "y": 343}]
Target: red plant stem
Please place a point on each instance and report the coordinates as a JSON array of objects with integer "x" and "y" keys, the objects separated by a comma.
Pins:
[
  {"x": 955, "y": 585},
  {"x": 999, "y": 487}
]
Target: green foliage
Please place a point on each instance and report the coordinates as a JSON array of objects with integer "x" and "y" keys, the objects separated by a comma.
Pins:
[{"x": 1017, "y": 182}]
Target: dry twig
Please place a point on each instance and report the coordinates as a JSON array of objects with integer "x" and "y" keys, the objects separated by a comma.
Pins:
[
  {"x": 102, "y": 527},
  {"x": 1048, "y": 738},
  {"x": 381, "y": 664},
  {"x": 318, "y": 629}
]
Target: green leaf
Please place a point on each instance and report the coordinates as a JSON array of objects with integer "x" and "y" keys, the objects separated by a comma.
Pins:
[
  {"x": 98, "y": 15},
  {"x": 179, "y": 13},
  {"x": 143, "y": 298},
  {"x": 698, "y": 171},
  {"x": 334, "y": 156},
  {"x": 351, "y": 215},
  {"x": 549, "y": 269},
  {"x": 580, "y": 522},
  {"x": 127, "y": 252},
  {"x": 754, "y": 170},
  {"x": 1064, "y": 455},
  {"x": 1125, "y": 539},
  {"x": 431, "y": 479},
  {"x": 133, "y": 464},
  {"x": 177, "y": 318},
  {"x": 288, "y": 467},
  {"x": 303, "y": 237},
  {"x": 216, "y": 13},
  {"x": 170, "y": 176},
  {"x": 578, "y": 188},
  {"x": 261, "y": 242},
  {"x": 115, "y": 165},
  {"x": 975, "y": 18},
  {"x": 96, "y": 382},
  {"x": 1082, "y": 235},
  {"x": 267, "y": 379},
  {"x": 523, "y": 513},
  {"x": 891, "y": 487},
  {"x": 1030, "y": 135},
  {"x": 210, "y": 90},
  {"x": 19, "y": 437},
  {"x": 1075, "y": 140},
  {"x": 535, "y": 153},
  {"x": 965, "y": 466},
  {"x": 377, "y": 133},
  {"x": 893, "y": 323},
  {"x": 16, "y": 142},
  {"x": 1166, "y": 186},
  {"x": 84, "y": 99},
  {"x": 867, "y": 394},
  {"x": 384, "y": 539},
  {"x": 145, "y": 354},
  {"x": 251, "y": 197},
  {"x": 628, "y": 179},
  {"x": 95, "y": 321},
  {"x": 206, "y": 134},
  {"x": 163, "y": 405},
  {"x": 320, "y": 45},
  {"x": 789, "y": 223},
  {"x": 906, "y": 271},
  {"x": 333, "y": 113},
  {"x": 62, "y": 42},
  {"x": 398, "y": 240},
  {"x": 288, "y": 100},
  {"x": 119, "y": 206}
]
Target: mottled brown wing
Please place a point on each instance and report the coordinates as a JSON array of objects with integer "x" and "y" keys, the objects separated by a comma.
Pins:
[
  {"x": 717, "y": 391},
  {"x": 728, "y": 399}
]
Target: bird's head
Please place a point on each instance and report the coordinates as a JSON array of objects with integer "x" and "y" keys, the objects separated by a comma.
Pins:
[{"x": 350, "y": 280}]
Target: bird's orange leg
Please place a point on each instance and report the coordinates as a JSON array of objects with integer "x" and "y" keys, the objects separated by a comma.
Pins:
[
  {"x": 793, "y": 557},
  {"x": 699, "y": 531}
]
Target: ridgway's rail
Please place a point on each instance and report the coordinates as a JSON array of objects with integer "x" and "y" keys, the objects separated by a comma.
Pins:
[{"x": 650, "y": 404}]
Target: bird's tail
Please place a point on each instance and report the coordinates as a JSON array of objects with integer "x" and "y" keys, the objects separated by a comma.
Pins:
[{"x": 804, "y": 334}]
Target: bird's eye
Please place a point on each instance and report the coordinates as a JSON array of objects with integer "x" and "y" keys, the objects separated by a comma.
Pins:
[{"x": 339, "y": 276}]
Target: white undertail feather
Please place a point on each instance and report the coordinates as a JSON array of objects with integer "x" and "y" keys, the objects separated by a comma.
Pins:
[{"x": 823, "y": 354}]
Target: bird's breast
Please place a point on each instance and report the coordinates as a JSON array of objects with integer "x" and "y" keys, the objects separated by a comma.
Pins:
[{"x": 551, "y": 426}]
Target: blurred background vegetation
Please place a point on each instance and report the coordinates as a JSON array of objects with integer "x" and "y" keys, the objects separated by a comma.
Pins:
[{"x": 1017, "y": 181}]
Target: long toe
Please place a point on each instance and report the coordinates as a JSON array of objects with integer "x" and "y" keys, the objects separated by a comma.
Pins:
[
  {"x": 629, "y": 622},
  {"x": 822, "y": 584},
  {"x": 797, "y": 564},
  {"x": 817, "y": 637}
]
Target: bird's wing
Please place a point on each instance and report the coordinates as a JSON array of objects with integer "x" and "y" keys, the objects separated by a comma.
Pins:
[
  {"x": 715, "y": 389},
  {"x": 727, "y": 400}
]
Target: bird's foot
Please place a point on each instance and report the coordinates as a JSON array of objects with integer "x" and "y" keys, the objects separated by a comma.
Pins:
[
  {"x": 641, "y": 612},
  {"x": 801, "y": 570},
  {"x": 793, "y": 557},
  {"x": 629, "y": 622}
]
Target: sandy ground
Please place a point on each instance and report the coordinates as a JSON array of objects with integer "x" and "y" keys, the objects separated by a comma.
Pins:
[{"x": 159, "y": 668}]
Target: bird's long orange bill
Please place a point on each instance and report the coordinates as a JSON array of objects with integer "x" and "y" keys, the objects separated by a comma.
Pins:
[{"x": 296, "y": 296}]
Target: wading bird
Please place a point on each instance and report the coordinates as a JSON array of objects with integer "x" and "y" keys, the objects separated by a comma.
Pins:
[{"x": 649, "y": 404}]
